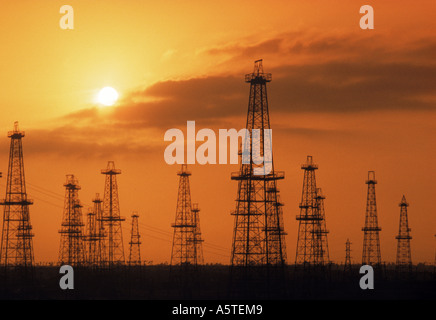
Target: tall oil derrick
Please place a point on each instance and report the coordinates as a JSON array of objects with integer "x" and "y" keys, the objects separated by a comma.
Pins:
[
  {"x": 135, "y": 243},
  {"x": 309, "y": 243},
  {"x": 111, "y": 217},
  {"x": 371, "y": 238},
  {"x": 72, "y": 248},
  {"x": 321, "y": 249},
  {"x": 198, "y": 241},
  {"x": 404, "y": 257},
  {"x": 100, "y": 248},
  {"x": 90, "y": 238},
  {"x": 94, "y": 236},
  {"x": 184, "y": 244},
  {"x": 258, "y": 234},
  {"x": 17, "y": 244},
  {"x": 347, "y": 265}
]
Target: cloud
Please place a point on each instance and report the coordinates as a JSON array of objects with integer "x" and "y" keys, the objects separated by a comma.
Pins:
[
  {"x": 338, "y": 86},
  {"x": 335, "y": 75},
  {"x": 80, "y": 142},
  {"x": 209, "y": 99},
  {"x": 351, "y": 87},
  {"x": 347, "y": 77}
]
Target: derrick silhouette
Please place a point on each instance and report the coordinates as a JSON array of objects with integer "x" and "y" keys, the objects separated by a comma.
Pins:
[
  {"x": 404, "y": 256},
  {"x": 312, "y": 245},
  {"x": 371, "y": 238},
  {"x": 111, "y": 218},
  {"x": 16, "y": 245},
  {"x": 72, "y": 247},
  {"x": 258, "y": 236},
  {"x": 258, "y": 255},
  {"x": 187, "y": 248},
  {"x": 135, "y": 243}
]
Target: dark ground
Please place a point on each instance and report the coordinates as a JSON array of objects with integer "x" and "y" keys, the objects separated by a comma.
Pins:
[{"x": 213, "y": 282}]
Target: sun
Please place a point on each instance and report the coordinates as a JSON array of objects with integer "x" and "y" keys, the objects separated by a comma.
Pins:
[{"x": 107, "y": 96}]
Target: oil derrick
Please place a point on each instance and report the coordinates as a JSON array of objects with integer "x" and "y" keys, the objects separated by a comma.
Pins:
[
  {"x": 72, "y": 249},
  {"x": 321, "y": 248},
  {"x": 111, "y": 217},
  {"x": 90, "y": 238},
  {"x": 258, "y": 234},
  {"x": 371, "y": 239},
  {"x": 135, "y": 243},
  {"x": 404, "y": 257},
  {"x": 100, "y": 248},
  {"x": 184, "y": 239},
  {"x": 347, "y": 265},
  {"x": 198, "y": 241},
  {"x": 94, "y": 236},
  {"x": 17, "y": 244},
  {"x": 312, "y": 248}
]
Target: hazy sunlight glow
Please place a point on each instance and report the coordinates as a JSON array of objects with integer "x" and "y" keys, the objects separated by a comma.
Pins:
[{"x": 107, "y": 96}]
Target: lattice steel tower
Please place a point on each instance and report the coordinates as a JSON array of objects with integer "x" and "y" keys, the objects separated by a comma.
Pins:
[
  {"x": 100, "y": 248},
  {"x": 258, "y": 234},
  {"x": 17, "y": 244},
  {"x": 94, "y": 236},
  {"x": 90, "y": 237},
  {"x": 72, "y": 248},
  {"x": 321, "y": 242},
  {"x": 312, "y": 245},
  {"x": 347, "y": 265},
  {"x": 135, "y": 243},
  {"x": 111, "y": 217},
  {"x": 371, "y": 238},
  {"x": 404, "y": 257},
  {"x": 184, "y": 240},
  {"x": 198, "y": 241}
]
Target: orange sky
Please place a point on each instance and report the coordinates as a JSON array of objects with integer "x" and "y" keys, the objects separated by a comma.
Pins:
[{"x": 355, "y": 100}]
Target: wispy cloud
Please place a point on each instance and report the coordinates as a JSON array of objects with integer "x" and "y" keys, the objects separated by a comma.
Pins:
[{"x": 311, "y": 73}]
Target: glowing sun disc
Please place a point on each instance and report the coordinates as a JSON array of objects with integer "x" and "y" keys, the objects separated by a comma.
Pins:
[{"x": 107, "y": 96}]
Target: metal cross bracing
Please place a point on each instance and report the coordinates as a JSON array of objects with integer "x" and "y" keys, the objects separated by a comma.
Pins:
[
  {"x": 371, "y": 237},
  {"x": 258, "y": 236},
  {"x": 135, "y": 243},
  {"x": 112, "y": 220},
  {"x": 72, "y": 248},
  {"x": 321, "y": 249},
  {"x": 312, "y": 244},
  {"x": 404, "y": 256},
  {"x": 184, "y": 247},
  {"x": 198, "y": 241},
  {"x": 95, "y": 237},
  {"x": 101, "y": 252},
  {"x": 16, "y": 244}
]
